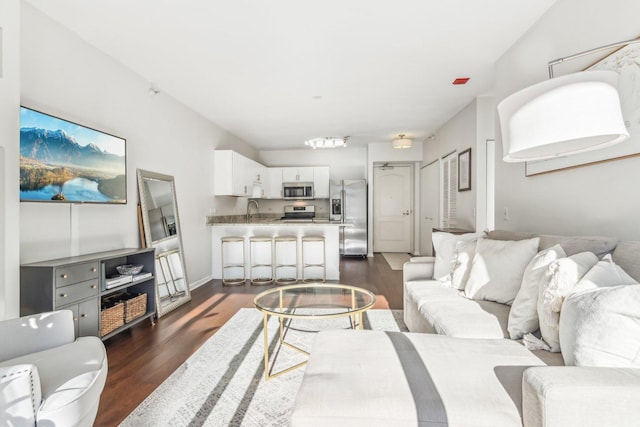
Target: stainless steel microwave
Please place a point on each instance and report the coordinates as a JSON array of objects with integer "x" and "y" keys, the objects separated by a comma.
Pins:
[{"x": 297, "y": 190}]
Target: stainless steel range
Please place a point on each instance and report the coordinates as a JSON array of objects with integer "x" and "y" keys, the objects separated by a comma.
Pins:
[{"x": 299, "y": 213}]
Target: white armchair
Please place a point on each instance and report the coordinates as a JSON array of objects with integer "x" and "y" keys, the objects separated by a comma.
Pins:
[{"x": 47, "y": 376}]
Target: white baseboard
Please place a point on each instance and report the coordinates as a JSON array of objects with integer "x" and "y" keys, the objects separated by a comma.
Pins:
[{"x": 200, "y": 282}]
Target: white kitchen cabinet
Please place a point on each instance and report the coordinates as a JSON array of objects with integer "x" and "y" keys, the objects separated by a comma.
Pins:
[
  {"x": 297, "y": 174},
  {"x": 257, "y": 179},
  {"x": 274, "y": 183},
  {"x": 235, "y": 174},
  {"x": 258, "y": 173},
  {"x": 321, "y": 182}
]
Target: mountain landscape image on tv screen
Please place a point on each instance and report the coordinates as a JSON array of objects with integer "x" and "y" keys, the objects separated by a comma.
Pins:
[{"x": 66, "y": 162}]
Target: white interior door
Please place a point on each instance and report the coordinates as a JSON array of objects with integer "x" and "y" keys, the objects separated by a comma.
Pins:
[
  {"x": 392, "y": 208},
  {"x": 429, "y": 203}
]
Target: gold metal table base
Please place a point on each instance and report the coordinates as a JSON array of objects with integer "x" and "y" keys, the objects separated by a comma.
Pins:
[
  {"x": 265, "y": 320},
  {"x": 361, "y": 301}
]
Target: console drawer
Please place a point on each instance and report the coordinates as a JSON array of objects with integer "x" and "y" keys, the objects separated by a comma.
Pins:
[
  {"x": 72, "y": 293},
  {"x": 76, "y": 273}
]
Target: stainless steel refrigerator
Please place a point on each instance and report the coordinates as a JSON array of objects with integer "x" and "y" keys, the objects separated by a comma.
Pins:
[{"x": 348, "y": 200}]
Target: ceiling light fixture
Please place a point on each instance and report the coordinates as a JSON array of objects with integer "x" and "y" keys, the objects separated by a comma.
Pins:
[
  {"x": 327, "y": 142},
  {"x": 401, "y": 142},
  {"x": 565, "y": 115}
]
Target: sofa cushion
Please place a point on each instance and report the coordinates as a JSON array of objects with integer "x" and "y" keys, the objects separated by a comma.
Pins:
[
  {"x": 626, "y": 256},
  {"x": 465, "y": 318},
  {"x": 434, "y": 290},
  {"x": 557, "y": 282},
  {"x": 411, "y": 379},
  {"x": 523, "y": 317},
  {"x": 449, "y": 313},
  {"x": 497, "y": 269},
  {"x": 571, "y": 244},
  {"x": 71, "y": 376}
]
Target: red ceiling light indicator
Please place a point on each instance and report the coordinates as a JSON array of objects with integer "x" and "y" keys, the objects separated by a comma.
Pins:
[{"x": 461, "y": 80}]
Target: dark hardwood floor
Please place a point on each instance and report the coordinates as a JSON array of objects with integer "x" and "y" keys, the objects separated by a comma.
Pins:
[{"x": 141, "y": 358}]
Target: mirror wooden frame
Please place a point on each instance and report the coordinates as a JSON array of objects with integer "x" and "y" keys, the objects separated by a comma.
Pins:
[{"x": 165, "y": 247}]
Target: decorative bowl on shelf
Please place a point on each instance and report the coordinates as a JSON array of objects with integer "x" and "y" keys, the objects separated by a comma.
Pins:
[{"x": 129, "y": 269}]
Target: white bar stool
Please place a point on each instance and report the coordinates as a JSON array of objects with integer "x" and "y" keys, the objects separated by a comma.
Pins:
[
  {"x": 317, "y": 262},
  {"x": 261, "y": 259},
  {"x": 283, "y": 259},
  {"x": 230, "y": 262}
]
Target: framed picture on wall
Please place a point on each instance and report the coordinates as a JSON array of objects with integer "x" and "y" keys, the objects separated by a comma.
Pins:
[{"x": 464, "y": 170}]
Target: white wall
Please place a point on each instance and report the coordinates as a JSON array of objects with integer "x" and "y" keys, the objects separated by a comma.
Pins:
[
  {"x": 601, "y": 199},
  {"x": 9, "y": 172},
  {"x": 64, "y": 76},
  {"x": 458, "y": 134},
  {"x": 469, "y": 128}
]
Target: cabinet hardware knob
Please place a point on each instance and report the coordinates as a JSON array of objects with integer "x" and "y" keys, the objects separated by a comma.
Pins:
[
  {"x": 93, "y": 270},
  {"x": 64, "y": 295},
  {"x": 65, "y": 276},
  {"x": 75, "y": 319},
  {"x": 93, "y": 286},
  {"x": 83, "y": 315}
]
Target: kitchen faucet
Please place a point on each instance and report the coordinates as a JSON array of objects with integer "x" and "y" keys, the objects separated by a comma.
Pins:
[{"x": 248, "y": 218}]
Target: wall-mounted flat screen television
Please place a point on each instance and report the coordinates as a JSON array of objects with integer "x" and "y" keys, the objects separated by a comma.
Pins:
[{"x": 62, "y": 161}]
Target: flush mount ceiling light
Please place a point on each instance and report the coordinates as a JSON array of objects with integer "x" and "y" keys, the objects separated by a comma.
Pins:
[
  {"x": 401, "y": 142},
  {"x": 327, "y": 142},
  {"x": 562, "y": 116}
]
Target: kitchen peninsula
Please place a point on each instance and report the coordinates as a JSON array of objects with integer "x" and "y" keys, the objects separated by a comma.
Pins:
[{"x": 271, "y": 227}]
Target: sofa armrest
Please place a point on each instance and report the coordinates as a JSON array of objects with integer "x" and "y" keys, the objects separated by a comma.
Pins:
[
  {"x": 418, "y": 270},
  {"x": 422, "y": 259},
  {"x": 20, "y": 394},
  {"x": 580, "y": 396},
  {"x": 34, "y": 333}
]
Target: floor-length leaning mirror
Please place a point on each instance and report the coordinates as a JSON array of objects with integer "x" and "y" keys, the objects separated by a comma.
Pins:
[{"x": 161, "y": 226}]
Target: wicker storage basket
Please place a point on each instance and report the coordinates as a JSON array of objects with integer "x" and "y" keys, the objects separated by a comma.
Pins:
[
  {"x": 135, "y": 305},
  {"x": 111, "y": 318}
]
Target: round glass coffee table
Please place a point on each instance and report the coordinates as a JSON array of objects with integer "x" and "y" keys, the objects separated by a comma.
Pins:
[{"x": 310, "y": 301}]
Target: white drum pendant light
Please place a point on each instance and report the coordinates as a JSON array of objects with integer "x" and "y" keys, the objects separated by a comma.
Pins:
[{"x": 562, "y": 116}]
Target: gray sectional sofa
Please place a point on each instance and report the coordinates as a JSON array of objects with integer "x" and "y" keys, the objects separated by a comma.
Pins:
[{"x": 459, "y": 367}]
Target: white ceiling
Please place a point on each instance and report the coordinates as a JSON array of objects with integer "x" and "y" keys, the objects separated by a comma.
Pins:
[{"x": 278, "y": 72}]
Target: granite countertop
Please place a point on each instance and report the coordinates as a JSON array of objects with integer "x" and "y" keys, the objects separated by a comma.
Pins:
[{"x": 264, "y": 219}]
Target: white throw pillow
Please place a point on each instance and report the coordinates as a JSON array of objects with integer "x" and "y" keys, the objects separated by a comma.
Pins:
[
  {"x": 557, "y": 282},
  {"x": 599, "y": 321},
  {"x": 445, "y": 247},
  {"x": 601, "y": 327},
  {"x": 523, "y": 316},
  {"x": 498, "y": 267},
  {"x": 605, "y": 273},
  {"x": 465, "y": 250}
]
